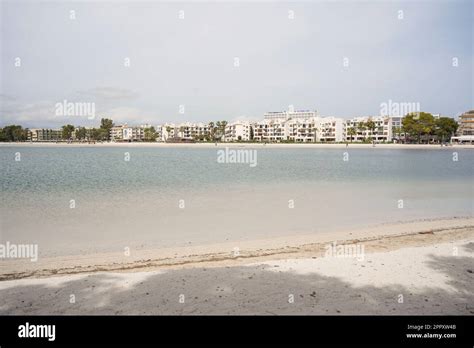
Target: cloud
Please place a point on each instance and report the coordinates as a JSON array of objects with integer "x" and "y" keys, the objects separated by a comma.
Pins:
[{"x": 109, "y": 93}]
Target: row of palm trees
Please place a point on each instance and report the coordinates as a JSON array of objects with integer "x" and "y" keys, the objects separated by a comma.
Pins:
[
  {"x": 216, "y": 131},
  {"x": 362, "y": 127}
]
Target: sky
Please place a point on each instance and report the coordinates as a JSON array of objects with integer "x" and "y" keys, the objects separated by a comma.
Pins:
[{"x": 155, "y": 61}]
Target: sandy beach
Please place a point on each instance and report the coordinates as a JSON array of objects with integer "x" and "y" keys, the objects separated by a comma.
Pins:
[
  {"x": 243, "y": 145},
  {"x": 422, "y": 267}
]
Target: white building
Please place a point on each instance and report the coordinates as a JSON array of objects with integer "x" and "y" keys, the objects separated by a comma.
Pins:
[
  {"x": 128, "y": 133},
  {"x": 330, "y": 129},
  {"x": 301, "y": 130},
  {"x": 270, "y": 130},
  {"x": 187, "y": 130},
  {"x": 305, "y": 129},
  {"x": 381, "y": 133},
  {"x": 237, "y": 131},
  {"x": 291, "y": 113}
]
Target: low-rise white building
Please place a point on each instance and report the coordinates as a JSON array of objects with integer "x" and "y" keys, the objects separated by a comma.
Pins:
[
  {"x": 330, "y": 129},
  {"x": 382, "y": 132},
  {"x": 187, "y": 130},
  {"x": 270, "y": 130},
  {"x": 128, "y": 133},
  {"x": 301, "y": 130},
  {"x": 237, "y": 131}
]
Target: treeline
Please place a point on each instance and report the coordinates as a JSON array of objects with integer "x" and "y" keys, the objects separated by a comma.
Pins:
[
  {"x": 422, "y": 127},
  {"x": 13, "y": 133},
  {"x": 216, "y": 131},
  {"x": 69, "y": 132}
]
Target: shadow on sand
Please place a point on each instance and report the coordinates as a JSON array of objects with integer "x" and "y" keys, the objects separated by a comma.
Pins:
[{"x": 261, "y": 289}]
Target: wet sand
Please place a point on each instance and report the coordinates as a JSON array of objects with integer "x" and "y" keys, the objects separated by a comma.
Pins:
[{"x": 421, "y": 267}]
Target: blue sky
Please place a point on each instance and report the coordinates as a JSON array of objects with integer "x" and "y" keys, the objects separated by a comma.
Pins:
[{"x": 190, "y": 61}]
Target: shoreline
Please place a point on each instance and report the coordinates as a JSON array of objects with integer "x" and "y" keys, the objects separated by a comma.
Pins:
[
  {"x": 381, "y": 237},
  {"x": 243, "y": 145},
  {"x": 431, "y": 271}
]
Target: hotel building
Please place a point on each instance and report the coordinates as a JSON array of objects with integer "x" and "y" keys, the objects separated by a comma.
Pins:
[
  {"x": 41, "y": 134},
  {"x": 291, "y": 113}
]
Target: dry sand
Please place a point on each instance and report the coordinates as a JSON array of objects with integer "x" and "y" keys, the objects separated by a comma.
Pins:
[{"x": 411, "y": 268}]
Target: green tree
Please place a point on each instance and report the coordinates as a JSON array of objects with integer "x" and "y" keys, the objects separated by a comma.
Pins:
[
  {"x": 351, "y": 132},
  {"x": 150, "y": 134},
  {"x": 212, "y": 130},
  {"x": 106, "y": 125},
  {"x": 14, "y": 133},
  {"x": 81, "y": 133},
  {"x": 445, "y": 128},
  {"x": 361, "y": 127},
  {"x": 370, "y": 124},
  {"x": 98, "y": 134},
  {"x": 397, "y": 131},
  {"x": 67, "y": 131},
  {"x": 418, "y": 125},
  {"x": 222, "y": 129}
]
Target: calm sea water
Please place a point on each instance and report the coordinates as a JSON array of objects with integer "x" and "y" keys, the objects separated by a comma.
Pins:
[{"x": 180, "y": 196}]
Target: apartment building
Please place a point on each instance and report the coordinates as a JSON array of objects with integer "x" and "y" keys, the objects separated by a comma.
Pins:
[
  {"x": 188, "y": 131},
  {"x": 330, "y": 129},
  {"x": 238, "y": 131},
  {"x": 301, "y": 130},
  {"x": 382, "y": 132},
  {"x": 465, "y": 132},
  {"x": 42, "y": 134},
  {"x": 466, "y": 123},
  {"x": 128, "y": 133},
  {"x": 270, "y": 130}
]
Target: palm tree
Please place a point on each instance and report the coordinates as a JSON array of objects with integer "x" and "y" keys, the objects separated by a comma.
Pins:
[
  {"x": 371, "y": 126},
  {"x": 351, "y": 132},
  {"x": 223, "y": 125},
  {"x": 211, "y": 130},
  {"x": 361, "y": 127},
  {"x": 168, "y": 130}
]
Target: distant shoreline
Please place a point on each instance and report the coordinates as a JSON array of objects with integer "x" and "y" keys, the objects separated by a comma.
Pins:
[{"x": 246, "y": 145}]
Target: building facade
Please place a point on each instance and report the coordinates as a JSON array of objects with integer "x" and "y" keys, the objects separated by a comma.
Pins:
[
  {"x": 42, "y": 134},
  {"x": 128, "y": 133},
  {"x": 466, "y": 123},
  {"x": 238, "y": 131},
  {"x": 187, "y": 131},
  {"x": 382, "y": 131}
]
